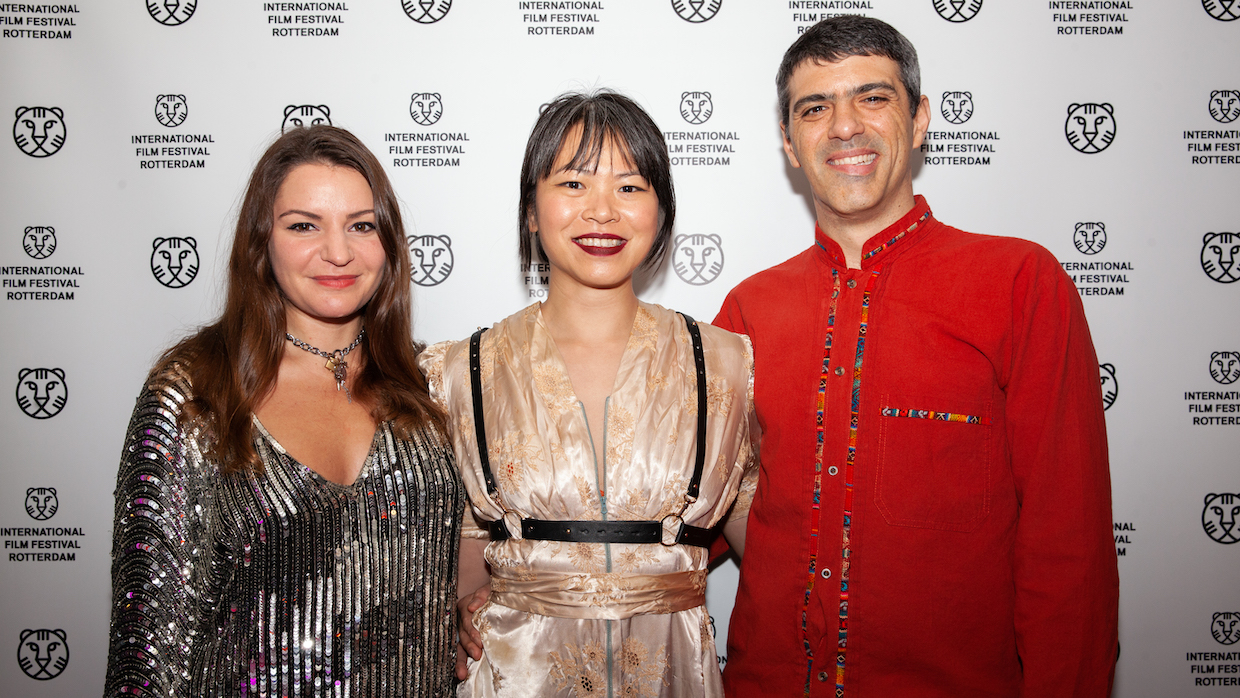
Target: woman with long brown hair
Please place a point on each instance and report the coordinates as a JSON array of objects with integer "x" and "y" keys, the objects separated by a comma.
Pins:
[{"x": 287, "y": 508}]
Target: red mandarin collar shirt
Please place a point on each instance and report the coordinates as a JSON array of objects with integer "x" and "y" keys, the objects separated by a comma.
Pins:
[{"x": 933, "y": 514}]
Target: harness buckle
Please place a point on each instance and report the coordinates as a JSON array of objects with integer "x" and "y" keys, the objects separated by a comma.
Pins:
[{"x": 671, "y": 526}]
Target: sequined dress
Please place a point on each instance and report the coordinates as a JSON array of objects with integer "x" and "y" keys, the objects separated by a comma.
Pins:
[
  {"x": 280, "y": 584},
  {"x": 568, "y": 620}
]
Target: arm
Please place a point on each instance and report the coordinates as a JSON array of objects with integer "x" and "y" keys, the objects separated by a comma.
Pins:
[
  {"x": 158, "y": 537},
  {"x": 734, "y": 534},
  {"x": 473, "y": 590},
  {"x": 747, "y": 458},
  {"x": 1065, "y": 572}
]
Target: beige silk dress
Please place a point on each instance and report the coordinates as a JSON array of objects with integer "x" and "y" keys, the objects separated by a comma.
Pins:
[{"x": 598, "y": 619}]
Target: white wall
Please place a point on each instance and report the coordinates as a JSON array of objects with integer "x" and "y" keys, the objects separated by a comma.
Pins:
[{"x": 1022, "y": 63}]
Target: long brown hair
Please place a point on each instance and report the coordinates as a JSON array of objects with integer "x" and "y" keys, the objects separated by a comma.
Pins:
[{"x": 232, "y": 363}]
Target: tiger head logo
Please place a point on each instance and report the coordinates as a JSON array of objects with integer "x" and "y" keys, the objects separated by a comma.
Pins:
[
  {"x": 426, "y": 107},
  {"x": 41, "y": 503},
  {"x": 171, "y": 12},
  {"x": 296, "y": 115},
  {"x": 1089, "y": 238},
  {"x": 1222, "y": 10},
  {"x": 1220, "y": 253},
  {"x": 39, "y": 131},
  {"x": 171, "y": 110},
  {"x": 1225, "y": 366},
  {"x": 1090, "y": 128},
  {"x": 1110, "y": 388},
  {"x": 1225, "y": 105},
  {"x": 174, "y": 261},
  {"x": 1218, "y": 518},
  {"x": 426, "y": 11},
  {"x": 39, "y": 241},
  {"x": 432, "y": 259},
  {"x": 42, "y": 392},
  {"x": 697, "y": 259},
  {"x": 1225, "y": 627},
  {"x": 957, "y": 107},
  {"x": 696, "y": 107},
  {"x": 696, "y": 11},
  {"x": 957, "y": 10},
  {"x": 43, "y": 654}
]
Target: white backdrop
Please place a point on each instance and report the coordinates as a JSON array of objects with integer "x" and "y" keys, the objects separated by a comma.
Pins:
[{"x": 135, "y": 127}]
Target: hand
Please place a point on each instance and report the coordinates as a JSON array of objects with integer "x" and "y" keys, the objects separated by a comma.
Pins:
[{"x": 469, "y": 640}]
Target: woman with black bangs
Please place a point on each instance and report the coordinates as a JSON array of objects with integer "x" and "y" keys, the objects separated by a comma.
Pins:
[{"x": 601, "y": 438}]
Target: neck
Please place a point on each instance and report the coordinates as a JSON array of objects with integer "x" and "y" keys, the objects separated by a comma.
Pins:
[
  {"x": 852, "y": 230},
  {"x": 583, "y": 315},
  {"x": 323, "y": 334}
]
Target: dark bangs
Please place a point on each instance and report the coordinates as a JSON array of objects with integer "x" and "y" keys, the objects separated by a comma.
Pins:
[{"x": 602, "y": 116}]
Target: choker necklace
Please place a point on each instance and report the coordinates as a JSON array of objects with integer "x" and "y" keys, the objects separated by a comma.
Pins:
[{"x": 335, "y": 359}]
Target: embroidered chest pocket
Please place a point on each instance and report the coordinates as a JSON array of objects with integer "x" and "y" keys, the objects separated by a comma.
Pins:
[{"x": 934, "y": 467}]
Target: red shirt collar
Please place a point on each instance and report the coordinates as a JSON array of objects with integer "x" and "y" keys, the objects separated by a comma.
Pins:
[{"x": 878, "y": 246}]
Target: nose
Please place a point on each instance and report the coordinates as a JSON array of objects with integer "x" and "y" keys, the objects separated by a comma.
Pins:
[
  {"x": 845, "y": 121},
  {"x": 600, "y": 206},
  {"x": 337, "y": 248}
]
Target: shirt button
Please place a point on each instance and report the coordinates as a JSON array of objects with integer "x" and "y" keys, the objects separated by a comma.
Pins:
[
  {"x": 826, "y": 573},
  {"x": 839, "y": 370},
  {"x": 833, "y": 470},
  {"x": 852, "y": 283},
  {"x": 822, "y": 676}
]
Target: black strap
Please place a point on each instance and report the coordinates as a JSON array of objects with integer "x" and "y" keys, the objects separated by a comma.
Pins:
[
  {"x": 601, "y": 532},
  {"x": 596, "y": 531},
  {"x": 480, "y": 428},
  {"x": 699, "y": 362}
]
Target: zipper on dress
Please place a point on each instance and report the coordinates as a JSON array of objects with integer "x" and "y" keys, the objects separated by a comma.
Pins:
[{"x": 600, "y": 486}]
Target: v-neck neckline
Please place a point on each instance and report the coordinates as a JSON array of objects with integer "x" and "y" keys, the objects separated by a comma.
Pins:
[
  {"x": 362, "y": 473},
  {"x": 556, "y": 357}
]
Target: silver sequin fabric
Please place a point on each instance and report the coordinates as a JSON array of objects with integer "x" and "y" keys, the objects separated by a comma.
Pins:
[{"x": 284, "y": 583}]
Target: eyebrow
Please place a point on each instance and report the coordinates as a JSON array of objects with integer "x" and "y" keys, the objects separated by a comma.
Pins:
[
  {"x": 626, "y": 173},
  {"x": 317, "y": 217},
  {"x": 862, "y": 89}
]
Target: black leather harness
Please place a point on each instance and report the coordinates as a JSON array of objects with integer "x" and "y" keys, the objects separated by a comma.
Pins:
[{"x": 671, "y": 530}]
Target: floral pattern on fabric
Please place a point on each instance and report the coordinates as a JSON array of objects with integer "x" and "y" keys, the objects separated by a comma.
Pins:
[
  {"x": 512, "y": 457},
  {"x": 641, "y": 670},
  {"x": 558, "y": 607},
  {"x": 555, "y": 388},
  {"x": 582, "y": 671}
]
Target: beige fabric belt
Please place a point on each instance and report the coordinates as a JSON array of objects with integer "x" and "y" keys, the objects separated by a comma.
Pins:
[{"x": 598, "y": 596}]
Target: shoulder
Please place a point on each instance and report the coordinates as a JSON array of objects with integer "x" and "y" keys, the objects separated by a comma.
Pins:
[
  {"x": 169, "y": 386},
  {"x": 777, "y": 280},
  {"x": 721, "y": 340},
  {"x": 1001, "y": 268},
  {"x": 431, "y": 359},
  {"x": 989, "y": 249},
  {"x": 440, "y": 362}
]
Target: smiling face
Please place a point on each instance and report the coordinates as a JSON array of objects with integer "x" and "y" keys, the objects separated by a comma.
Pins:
[
  {"x": 852, "y": 131},
  {"x": 325, "y": 249},
  {"x": 596, "y": 226}
]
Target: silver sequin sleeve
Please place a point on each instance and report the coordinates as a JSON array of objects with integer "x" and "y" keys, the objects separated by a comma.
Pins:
[{"x": 284, "y": 583}]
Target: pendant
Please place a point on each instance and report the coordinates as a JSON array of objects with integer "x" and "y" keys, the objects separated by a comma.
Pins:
[{"x": 340, "y": 371}]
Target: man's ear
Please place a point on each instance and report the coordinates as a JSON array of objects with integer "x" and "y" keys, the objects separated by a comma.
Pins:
[
  {"x": 792, "y": 156},
  {"x": 921, "y": 121}
]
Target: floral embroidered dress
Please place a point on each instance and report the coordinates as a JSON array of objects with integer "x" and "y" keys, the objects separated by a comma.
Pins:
[{"x": 598, "y": 619}]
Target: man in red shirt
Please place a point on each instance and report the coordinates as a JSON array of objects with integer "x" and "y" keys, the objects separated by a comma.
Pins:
[{"x": 933, "y": 514}]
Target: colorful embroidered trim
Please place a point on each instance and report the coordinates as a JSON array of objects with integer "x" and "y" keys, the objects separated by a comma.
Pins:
[
  {"x": 849, "y": 469},
  {"x": 931, "y": 414},
  {"x": 816, "y": 505},
  {"x": 893, "y": 240}
]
